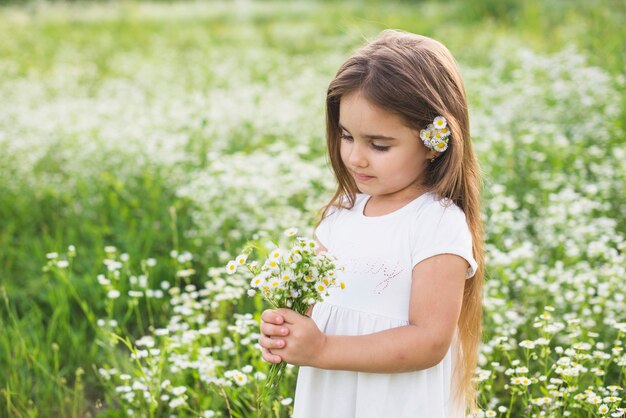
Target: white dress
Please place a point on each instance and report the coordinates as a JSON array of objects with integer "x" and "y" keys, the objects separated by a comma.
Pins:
[{"x": 379, "y": 254}]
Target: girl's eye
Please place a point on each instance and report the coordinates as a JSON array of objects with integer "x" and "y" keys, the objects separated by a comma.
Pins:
[{"x": 380, "y": 148}]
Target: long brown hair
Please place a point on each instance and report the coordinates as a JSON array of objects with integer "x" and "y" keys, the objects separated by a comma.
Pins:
[{"x": 417, "y": 78}]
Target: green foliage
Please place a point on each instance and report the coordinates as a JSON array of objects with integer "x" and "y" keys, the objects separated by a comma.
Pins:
[{"x": 177, "y": 131}]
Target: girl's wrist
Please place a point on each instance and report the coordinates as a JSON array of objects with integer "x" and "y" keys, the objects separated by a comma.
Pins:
[{"x": 320, "y": 360}]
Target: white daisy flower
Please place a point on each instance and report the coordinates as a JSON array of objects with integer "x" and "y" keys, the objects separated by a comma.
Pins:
[
  {"x": 286, "y": 277},
  {"x": 272, "y": 264},
  {"x": 178, "y": 390},
  {"x": 441, "y": 146},
  {"x": 103, "y": 280},
  {"x": 291, "y": 232},
  {"x": 176, "y": 402},
  {"x": 320, "y": 287},
  {"x": 296, "y": 257},
  {"x": 241, "y": 259},
  {"x": 257, "y": 281},
  {"x": 240, "y": 378},
  {"x": 440, "y": 122},
  {"x": 231, "y": 267},
  {"x": 275, "y": 254}
]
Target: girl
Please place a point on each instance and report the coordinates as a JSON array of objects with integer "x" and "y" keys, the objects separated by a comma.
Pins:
[{"x": 401, "y": 340}]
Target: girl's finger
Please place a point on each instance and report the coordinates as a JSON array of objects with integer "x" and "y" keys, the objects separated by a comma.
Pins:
[
  {"x": 270, "y": 343},
  {"x": 272, "y": 317},
  {"x": 273, "y": 330},
  {"x": 270, "y": 358}
]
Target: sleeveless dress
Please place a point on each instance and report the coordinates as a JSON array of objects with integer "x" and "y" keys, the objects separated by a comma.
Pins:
[{"x": 379, "y": 254}]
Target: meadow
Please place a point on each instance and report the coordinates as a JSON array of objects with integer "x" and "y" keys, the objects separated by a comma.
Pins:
[{"x": 142, "y": 144}]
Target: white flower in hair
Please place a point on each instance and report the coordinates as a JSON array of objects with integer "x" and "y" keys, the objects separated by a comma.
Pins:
[
  {"x": 440, "y": 122},
  {"x": 441, "y": 146},
  {"x": 436, "y": 135}
]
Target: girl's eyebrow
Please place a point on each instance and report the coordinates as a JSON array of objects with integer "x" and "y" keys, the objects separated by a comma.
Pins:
[{"x": 374, "y": 136}]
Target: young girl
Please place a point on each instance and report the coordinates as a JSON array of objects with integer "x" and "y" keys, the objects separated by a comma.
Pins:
[{"x": 401, "y": 340}]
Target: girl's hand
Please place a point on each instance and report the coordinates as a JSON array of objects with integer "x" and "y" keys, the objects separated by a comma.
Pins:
[
  {"x": 271, "y": 330},
  {"x": 300, "y": 343}
]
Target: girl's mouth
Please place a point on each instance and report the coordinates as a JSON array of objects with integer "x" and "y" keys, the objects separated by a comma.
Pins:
[{"x": 362, "y": 177}]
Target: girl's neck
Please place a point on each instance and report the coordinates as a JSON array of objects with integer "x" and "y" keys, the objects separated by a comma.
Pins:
[
  {"x": 379, "y": 205},
  {"x": 402, "y": 196}
]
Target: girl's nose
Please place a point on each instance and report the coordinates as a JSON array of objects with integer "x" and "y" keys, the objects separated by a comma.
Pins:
[{"x": 357, "y": 156}]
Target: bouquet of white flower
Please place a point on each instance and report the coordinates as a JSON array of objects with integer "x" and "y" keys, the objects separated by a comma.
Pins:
[{"x": 294, "y": 278}]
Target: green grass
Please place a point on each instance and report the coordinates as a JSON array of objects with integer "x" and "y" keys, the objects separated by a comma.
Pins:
[{"x": 48, "y": 318}]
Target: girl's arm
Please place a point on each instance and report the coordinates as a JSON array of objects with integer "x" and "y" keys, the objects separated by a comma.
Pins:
[{"x": 435, "y": 305}]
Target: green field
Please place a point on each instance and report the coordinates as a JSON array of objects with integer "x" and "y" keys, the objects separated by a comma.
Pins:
[{"x": 142, "y": 144}]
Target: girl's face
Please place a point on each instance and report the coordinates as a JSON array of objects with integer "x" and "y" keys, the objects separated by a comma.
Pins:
[{"x": 384, "y": 156}]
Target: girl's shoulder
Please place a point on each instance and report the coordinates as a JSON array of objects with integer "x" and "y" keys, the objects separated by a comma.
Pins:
[
  {"x": 435, "y": 202},
  {"x": 436, "y": 210}
]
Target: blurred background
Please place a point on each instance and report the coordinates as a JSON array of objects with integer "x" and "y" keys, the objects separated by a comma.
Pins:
[{"x": 143, "y": 143}]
